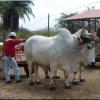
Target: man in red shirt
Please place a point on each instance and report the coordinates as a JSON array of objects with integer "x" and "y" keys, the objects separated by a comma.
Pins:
[{"x": 9, "y": 57}]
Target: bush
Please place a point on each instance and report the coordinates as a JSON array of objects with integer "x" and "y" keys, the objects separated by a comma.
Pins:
[{"x": 44, "y": 32}]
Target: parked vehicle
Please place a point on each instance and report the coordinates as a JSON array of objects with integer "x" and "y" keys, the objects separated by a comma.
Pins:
[{"x": 19, "y": 56}]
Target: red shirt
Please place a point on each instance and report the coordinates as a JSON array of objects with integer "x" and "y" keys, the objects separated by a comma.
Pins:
[{"x": 9, "y": 46}]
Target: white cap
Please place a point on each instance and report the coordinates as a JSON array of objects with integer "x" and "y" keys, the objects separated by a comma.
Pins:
[{"x": 12, "y": 34}]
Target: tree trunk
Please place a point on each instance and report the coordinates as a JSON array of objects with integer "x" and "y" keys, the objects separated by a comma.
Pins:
[{"x": 14, "y": 19}]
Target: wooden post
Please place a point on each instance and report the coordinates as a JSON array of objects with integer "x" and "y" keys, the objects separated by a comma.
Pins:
[
  {"x": 48, "y": 24},
  {"x": 83, "y": 23},
  {"x": 95, "y": 25},
  {"x": 89, "y": 25}
]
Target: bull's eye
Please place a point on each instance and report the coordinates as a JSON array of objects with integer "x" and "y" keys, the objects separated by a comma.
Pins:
[{"x": 88, "y": 47}]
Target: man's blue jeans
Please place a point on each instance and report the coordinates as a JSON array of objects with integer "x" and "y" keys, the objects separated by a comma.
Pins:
[{"x": 11, "y": 62}]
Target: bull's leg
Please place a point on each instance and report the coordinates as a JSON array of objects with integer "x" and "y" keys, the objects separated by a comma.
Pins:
[
  {"x": 53, "y": 69},
  {"x": 81, "y": 75},
  {"x": 46, "y": 74},
  {"x": 56, "y": 77},
  {"x": 67, "y": 80},
  {"x": 26, "y": 70},
  {"x": 36, "y": 75},
  {"x": 30, "y": 66},
  {"x": 75, "y": 81}
]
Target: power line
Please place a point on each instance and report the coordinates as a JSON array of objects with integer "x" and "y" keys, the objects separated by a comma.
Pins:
[
  {"x": 45, "y": 18},
  {"x": 70, "y": 10},
  {"x": 79, "y": 7}
]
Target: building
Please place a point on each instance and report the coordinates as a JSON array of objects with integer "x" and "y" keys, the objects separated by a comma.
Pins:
[{"x": 91, "y": 17}]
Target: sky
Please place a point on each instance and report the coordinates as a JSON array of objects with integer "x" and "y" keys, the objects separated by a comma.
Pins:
[{"x": 41, "y": 9}]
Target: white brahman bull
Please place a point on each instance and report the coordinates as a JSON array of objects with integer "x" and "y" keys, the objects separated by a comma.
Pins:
[{"x": 60, "y": 51}]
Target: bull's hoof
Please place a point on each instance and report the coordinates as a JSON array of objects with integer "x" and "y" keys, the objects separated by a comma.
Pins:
[
  {"x": 47, "y": 77},
  {"x": 52, "y": 88},
  {"x": 38, "y": 83},
  {"x": 82, "y": 80},
  {"x": 27, "y": 75},
  {"x": 56, "y": 77},
  {"x": 68, "y": 87},
  {"x": 31, "y": 83},
  {"x": 75, "y": 82}
]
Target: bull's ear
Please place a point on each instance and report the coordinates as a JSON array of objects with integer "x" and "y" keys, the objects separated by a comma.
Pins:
[
  {"x": 98, "y": 32},
  {"x": 83, "y": 32},
  {"x": 85, "y": 27}
]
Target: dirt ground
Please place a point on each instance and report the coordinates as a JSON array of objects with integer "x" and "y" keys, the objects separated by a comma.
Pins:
[{"x": 86, "y": 90}]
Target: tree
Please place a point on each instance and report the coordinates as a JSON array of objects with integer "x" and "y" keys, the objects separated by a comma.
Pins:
[
  {"x": 11, "y": 11},
  {"x": 61, "y": 22},
  {"x": 73, "y": 26}
]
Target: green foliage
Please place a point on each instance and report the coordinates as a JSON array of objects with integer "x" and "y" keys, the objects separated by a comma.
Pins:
[
  {"x": 45, "y": 32},
  {"x": 20, "y": 35},
  {"x": 1, "y": 38},
  {"x": 61, "y": 23},
  {"x": 73, "y": 26},
  {"x": 11, "y": 11},
  {"x": 24, "y": 33}
]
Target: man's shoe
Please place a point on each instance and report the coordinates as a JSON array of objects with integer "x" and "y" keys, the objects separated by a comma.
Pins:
[
  {"x": 18, "y": 81},
  {"x": 8, "y": 81}
]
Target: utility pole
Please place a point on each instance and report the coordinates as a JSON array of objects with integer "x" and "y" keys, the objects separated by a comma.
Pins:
[{"x": 48, "y": 24}]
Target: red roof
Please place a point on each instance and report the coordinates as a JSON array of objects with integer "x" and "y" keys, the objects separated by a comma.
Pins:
[{"x": 85, "y": 15}]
